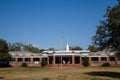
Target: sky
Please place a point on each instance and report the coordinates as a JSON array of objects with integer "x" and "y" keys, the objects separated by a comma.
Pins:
[{"x": 51, "y": 23}]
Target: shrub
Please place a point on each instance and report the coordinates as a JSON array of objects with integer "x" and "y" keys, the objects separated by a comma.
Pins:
[
  {"x": 105, "y": 65},
  {"x": 43, "y": 63},
  {"x": 85, "y": 61},
  {"x": 23, "y": 65},
  {"x": 2, "y": 65}
]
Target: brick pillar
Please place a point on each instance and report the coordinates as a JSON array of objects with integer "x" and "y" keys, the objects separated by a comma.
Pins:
[
  {"x": 48, "y": 60},
  {"x": 80, "y": 60},
  {"x": 31, "y": 59},
  {"x": 16, "y": 59},
  {"x": 54, "y": 59},
  {"x": 108, "y": 59},
  {"x": 116, "y": 60},
  {"x": 90, "y": 59},
  {"x": 73, "y": 61},
  {"x": 99, "y": 59},
  {"x": 23, "y": 59},
  {"x": 40, "y": 58}
]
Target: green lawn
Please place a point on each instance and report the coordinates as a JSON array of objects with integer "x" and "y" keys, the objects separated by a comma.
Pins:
[{"x": 78, "y": 73}]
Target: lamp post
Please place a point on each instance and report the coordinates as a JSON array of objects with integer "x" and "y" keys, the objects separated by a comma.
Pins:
[
  {"x": 61, "y": 60},
  {"x": 61, "y": 48}
]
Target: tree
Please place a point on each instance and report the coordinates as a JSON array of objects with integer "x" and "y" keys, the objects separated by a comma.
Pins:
[
  {"x": 108, "y": 32},
  {"x": 33, "y": 49},
  {"x": 51, "y": 49},
  {"x": 5, "y": 57},
  {"x": 43, "y": 63},
  {"x": 85, "y": 61},
  {"x": 92, "y": 48},
  {"x": 75, "y": 48},
  {"x": 102, "y": 36},
  {"x": 41, "y": 50},
  {"x": 18, "y": 46}
]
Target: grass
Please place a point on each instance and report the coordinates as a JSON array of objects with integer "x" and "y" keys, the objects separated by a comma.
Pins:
[{"x": 78, "y": 73}]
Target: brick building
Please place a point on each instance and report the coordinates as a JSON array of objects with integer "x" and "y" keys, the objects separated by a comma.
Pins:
[{"x": 63, "y": 58}]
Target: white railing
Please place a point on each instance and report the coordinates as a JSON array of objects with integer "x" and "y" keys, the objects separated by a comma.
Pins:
[
  {"x": 112, "y": 62},
  {"x": 27, "y": 62},
  {"x": 20, "y": 62},
  {"x": 103, "y": 62},
  {"x": 118, "y": 62},
  {"x": 95, "y": 62},
  {"x": 94, "y": 54},
  {"x": 12, "y": 62}
]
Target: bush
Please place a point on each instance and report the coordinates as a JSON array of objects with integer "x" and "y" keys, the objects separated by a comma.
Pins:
[
  {"x": 105, "y": 65},
  {"x": 85, "y": 61},
  {"x": 2, "y": 65},
  {"x": 43, "y": 63},
  {"x": 23, "y": 65}
]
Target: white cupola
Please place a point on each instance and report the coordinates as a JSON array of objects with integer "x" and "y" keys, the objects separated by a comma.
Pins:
[{"x": 67, "y": 46}]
